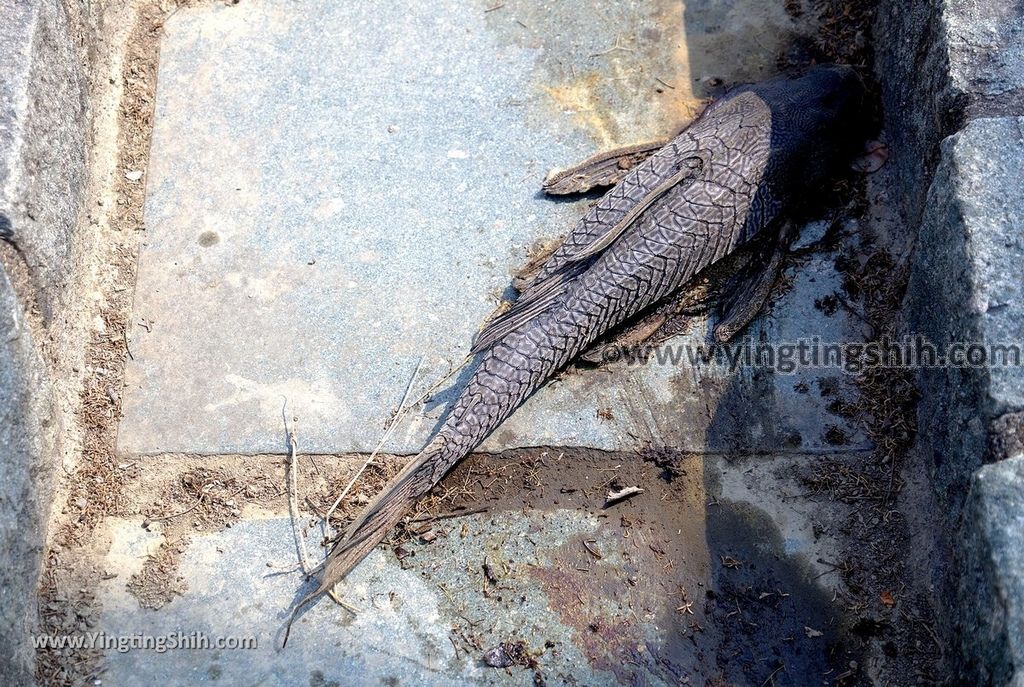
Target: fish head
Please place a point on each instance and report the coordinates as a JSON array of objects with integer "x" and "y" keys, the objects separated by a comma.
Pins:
[{"x": 819, "y": 123}]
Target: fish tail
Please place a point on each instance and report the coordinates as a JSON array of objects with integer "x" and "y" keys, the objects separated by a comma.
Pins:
[{"x": 386, "y": 510}]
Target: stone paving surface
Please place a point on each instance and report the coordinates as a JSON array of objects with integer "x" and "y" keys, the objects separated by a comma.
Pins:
[
  {"x": 337, "y": 192},
  {"x": 578, "y": 614}
]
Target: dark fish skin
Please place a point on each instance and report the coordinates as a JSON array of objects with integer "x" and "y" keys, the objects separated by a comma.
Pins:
[{"x": 721, "y": 182}]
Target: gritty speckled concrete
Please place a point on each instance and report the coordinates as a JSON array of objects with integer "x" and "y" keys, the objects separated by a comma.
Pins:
[
  {"x": 332, "y": 197},
  {"x": 428, "y": 618}
]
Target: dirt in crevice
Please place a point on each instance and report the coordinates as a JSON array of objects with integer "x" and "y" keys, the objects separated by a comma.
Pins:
[
  {"x": 886, "y": 567},
  {"x": 188, "y": 495},
  {"x": 179, "y": 496},
  {"x": 159, "y": 582},
  {"x": 122, "y": 62},
  {"x": 96, "y": 488}
]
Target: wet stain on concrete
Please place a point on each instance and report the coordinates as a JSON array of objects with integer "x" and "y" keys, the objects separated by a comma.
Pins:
[
  {"x": 679, "y": 583},
  {"x": 595, "y": 58},
  {"x": 771, "y": 620},
  {"x": 626, "y": 71}
]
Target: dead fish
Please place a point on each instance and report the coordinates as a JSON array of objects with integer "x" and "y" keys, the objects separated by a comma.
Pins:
[{"x": 719, "y": 189}]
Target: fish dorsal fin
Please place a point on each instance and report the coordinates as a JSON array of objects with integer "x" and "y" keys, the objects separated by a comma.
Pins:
[
  {"x": 539, "y": 297},
  {"x": 691, "y": 168}
]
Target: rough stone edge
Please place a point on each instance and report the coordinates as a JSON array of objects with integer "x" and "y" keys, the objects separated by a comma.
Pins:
[
  {"x": 28, "y": 449},
  {"x": 43, "y": 165},
  {"x": 937, "y": 61},
  {"x": 955, "y": 409},
  {"x": 43, "y": 169},
  {"x": 992, "y": 576},
  {"x": 966, "y": 417},
  {"x": 934, "y": 78}
]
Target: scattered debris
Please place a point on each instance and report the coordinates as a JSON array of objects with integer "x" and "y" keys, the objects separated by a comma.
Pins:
[
  {"x": 687, "y": 607},
  {"x": 875, "y": 155},
  {"x": 507, "y": 654},
  {"x": 847, "y": 674},
  {"x": 621, "y": 495},
  {"x": 730, "y": 562},
  {"x": 293, "y": 494},
  {"x": 834, "y": 436},
  {"x": 159, "y": 582},
  {"x": 489, "y": 573},
  {"x": 587, "y": 544}
]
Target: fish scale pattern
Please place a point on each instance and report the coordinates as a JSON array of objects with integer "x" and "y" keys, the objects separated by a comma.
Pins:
[
  {"x": 746, "y": 123},
  {"x": 692, "y": 226},
  {"x": 758, "y": 148}
]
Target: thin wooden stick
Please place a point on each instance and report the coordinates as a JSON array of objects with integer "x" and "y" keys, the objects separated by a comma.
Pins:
[
  {"x": 376, "y": 450},
  {"x": 293, "y": 495}
]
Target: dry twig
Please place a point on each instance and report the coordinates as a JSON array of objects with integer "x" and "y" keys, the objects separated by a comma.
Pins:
[
  {"x": 376, "y": 450},
  {"x": 293, "y": 496}
]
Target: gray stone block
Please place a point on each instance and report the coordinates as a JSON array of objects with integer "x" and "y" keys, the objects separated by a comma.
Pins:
[
  {"x": 43, "y": 132},
  {"x": 27, "y": 463},
  {"x": 966, "y": 286},
  {"x": 912, "y": 67},
  {"x": 1006, "y": 436},
  {"x": 986, "y": 55},
  {"x": 940, "y": 64},
  {"x": 43, "y": 138},
  {"x": 992, "y": 581}
]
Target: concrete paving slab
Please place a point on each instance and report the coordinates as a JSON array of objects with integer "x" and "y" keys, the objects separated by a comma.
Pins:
[
  {"x": 337, "y": 191},
  {"x": 580, "y": 610}
]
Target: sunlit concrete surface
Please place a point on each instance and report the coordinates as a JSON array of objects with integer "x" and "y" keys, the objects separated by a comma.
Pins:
[{"x": 337, "y": 192}]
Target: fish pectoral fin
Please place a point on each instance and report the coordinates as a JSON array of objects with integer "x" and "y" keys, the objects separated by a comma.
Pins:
[
  {"x": 600, "y": 170},
  {"x": 666, "y": 320},
  {"x": 634, "y": 334},
  {"x": 747, "y": 292},
  {"x": 524, "y": 277},
  {"x": 690, "y": 168},
  {"x": 538, "y": 298}
]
